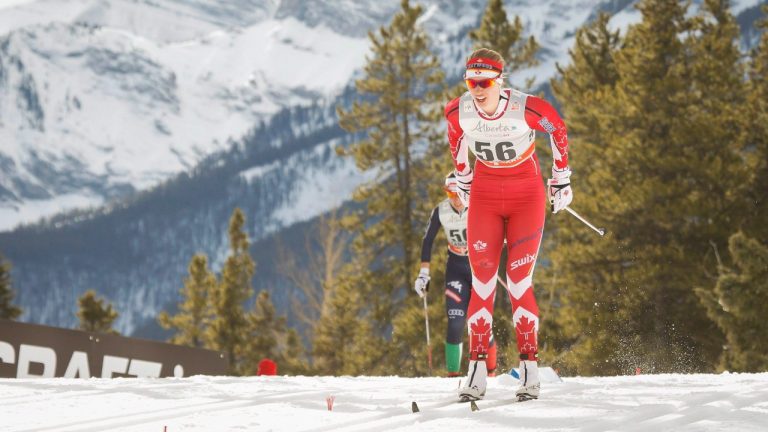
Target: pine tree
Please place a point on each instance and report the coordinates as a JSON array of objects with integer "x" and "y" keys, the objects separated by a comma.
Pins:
[
  {"x": 294, "y": 355},
  {"x": 269, "y": 337},
  {"x": 94, "y": 315},
  {"x": 228, "y": 327},
  {"x": 7, "y": 309},
  {"x": 399, "y": 114},
  {"x": 739, "y": 305},
  {"x": 265, "y": 329},
  {"x": 582, "y": 89},
  {"x": 344, "y": 339},
  {"x": 325, "y": 248},
  {"x": 506, "y": 38},
  {"x": 498, "y": 33},
  {"x": 659, "y": 168},
  {"x": 756, "y": 140},
  {"x": 194, "y": 312},
  {"x": 737, "y": 302}
]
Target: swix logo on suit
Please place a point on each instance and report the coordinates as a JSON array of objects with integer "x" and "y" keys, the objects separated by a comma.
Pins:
[
  {"x": 500, "y": 141},
  {"x": 527, "y": 259}
]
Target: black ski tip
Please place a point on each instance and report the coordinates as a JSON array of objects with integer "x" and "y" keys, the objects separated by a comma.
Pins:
[
  {"x": 473, "y": 406},
  {"x": 414, "y": 407},
  {"x": 524, "y": 397}
]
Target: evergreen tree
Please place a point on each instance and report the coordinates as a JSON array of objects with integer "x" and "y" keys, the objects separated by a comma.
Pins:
[
  {"x": 340, "y": 333},
  {"x": 270, "y": 337},
  {"x": 94, "y": 315},
  {"x": 229, "y": 324},
  {"x": 498, "y": 33},
  {"x": 506, "y": 38},
  {"x": 399, "y": 114},
  {"x": 265, "y": 329},
  {"x": 194, "y": 312},
  {"x": 294, "y": 355},
  {"x": 739, "y": 305},
  {"x": 756, "y": 139},
  {"x": 660, "y": 165},
  {"x": 325, "y": 248},
  {"x": 315, "y": 277},
  {"x": 582, "y": 89},
  {"x": 7, "y": 309}
]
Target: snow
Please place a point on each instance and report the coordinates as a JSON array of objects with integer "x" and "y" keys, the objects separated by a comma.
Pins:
[
  {"x": 137, "y": 111},
  {"x": 38, "y": 207},
  {"x": 21, "y": 13},
  {"x": 203, "y": 403}
]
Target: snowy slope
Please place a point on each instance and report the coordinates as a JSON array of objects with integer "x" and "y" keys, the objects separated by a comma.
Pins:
[{"x": 726, "y": 402}]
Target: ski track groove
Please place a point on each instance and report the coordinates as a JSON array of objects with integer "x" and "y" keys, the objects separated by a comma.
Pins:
[
  {"x": 138, "y": 418},
  {"x": 432, "y": 409},
  {"x": 74, "y": 389}
]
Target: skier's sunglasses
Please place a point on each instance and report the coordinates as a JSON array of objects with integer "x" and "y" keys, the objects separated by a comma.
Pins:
[{"x": 485, "y": 83}]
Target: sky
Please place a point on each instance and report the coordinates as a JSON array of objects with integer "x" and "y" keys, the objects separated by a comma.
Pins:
[{"x": 701, "y": 402}]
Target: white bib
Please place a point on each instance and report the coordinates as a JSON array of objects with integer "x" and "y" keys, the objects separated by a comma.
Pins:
[
  {"x": 455, "y": 226},
  {"x": 502, "y": 141}
]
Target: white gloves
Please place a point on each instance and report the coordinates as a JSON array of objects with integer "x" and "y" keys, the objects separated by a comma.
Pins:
[
  {"x": 559, "y": 190},
  {"x": 421, "y": 285},
  {"x": 463, "y": 184}
]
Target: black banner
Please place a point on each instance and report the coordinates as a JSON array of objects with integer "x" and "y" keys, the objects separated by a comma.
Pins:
[{"x": 31, "y": 350}]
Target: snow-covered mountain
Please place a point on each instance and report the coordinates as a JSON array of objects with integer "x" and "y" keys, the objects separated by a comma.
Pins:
[
  {"x": 161, "y": 116},
  {"x": 127, "y": 94},
  {"x": 103, "y": 98}
]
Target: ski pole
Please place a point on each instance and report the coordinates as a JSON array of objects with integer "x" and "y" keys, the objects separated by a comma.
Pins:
[
  {"x": 600, "y": 231},
  {"x": 429, "y": 345}
]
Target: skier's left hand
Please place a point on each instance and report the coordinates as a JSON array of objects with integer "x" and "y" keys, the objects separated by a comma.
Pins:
[{"x": 559, "y": 190}]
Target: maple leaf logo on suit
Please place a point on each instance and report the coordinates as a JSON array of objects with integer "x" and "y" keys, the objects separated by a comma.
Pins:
[
  {"x": 526, "y": 334},
  {"x": 480, "y": 334}
]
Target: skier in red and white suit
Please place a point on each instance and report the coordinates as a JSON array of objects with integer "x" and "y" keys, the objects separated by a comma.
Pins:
[{"x": 506, "y": 199}]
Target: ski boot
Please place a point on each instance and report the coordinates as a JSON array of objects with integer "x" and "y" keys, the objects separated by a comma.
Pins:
[
  {"x": 529, "y": 381},
  {"x": 474, "y": 389}
]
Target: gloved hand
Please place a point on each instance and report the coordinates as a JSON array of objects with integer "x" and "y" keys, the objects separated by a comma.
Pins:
[
  {"x": 463, "y": 184},
  {"x": 559, "y": 190},
  {"x": 421, "y": 285}
]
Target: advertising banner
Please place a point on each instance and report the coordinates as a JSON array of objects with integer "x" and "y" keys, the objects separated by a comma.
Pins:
[{"x": 31, "y": 350}]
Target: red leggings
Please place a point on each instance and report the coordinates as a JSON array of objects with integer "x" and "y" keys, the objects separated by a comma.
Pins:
[{"x": 505, "y": 204}]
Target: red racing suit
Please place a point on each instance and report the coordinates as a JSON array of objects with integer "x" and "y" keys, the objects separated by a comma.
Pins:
[{"x": 506, "y": 203}]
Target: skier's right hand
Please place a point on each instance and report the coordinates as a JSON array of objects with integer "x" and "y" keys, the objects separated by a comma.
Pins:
[
  {"x": 463, "y": 184},
  {"x": 421, "y": 285}
]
